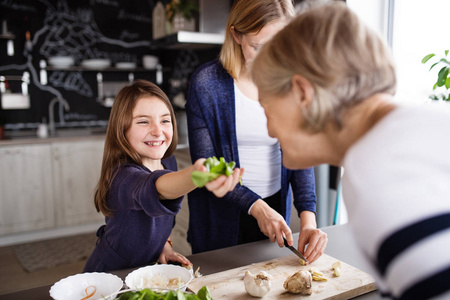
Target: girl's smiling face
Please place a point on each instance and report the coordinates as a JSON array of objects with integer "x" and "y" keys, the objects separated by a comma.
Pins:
[{"x": 151, "y": 131}]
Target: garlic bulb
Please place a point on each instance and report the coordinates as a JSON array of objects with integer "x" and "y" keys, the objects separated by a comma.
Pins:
[
  {"x": 257, "y": 285},
  {"x": 300, "y": 282}
]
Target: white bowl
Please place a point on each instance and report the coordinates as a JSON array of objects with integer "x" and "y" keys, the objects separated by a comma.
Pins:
[
  {"x": 125, "y": 65},
  {"x": 96, "y": 63},
  {"x": 61, "y": 61},
  {"x": 74, "y": 287},
  {"x": 150, "y": 61},
  {"x": 142, "y": 277}
]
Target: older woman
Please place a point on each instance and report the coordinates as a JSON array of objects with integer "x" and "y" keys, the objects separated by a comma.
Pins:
[
  {"x": 225, "y": 119},
  {"x": 326, "y": 83}
]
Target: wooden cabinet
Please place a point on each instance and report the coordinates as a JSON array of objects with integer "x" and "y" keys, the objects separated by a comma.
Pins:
[
  {"x": 49, "y": 185},
  {"x": 26, "y": 195},
  {"x": 76, "y": 170}
]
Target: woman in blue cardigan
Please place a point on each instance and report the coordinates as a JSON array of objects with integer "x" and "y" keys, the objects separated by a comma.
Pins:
[{"x": 225, "y": 119}]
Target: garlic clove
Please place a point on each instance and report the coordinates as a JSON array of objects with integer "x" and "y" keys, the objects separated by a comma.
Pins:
[{"x": 337, "y": 268}]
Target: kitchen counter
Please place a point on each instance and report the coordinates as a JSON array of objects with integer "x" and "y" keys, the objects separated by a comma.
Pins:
[
  {"x": 30, "y": 136},
  {"x": 63, "y": 135},
  {"x": 340, "y": 245}
]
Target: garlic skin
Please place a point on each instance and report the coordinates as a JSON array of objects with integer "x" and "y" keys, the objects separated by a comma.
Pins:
[
  {"x": 257, "y": 285},
  {"x": 300, "y": 282}
]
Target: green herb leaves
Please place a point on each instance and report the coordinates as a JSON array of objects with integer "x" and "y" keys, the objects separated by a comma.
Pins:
[
  {"x": 147, "y": 294},
  {"x": 215, "y": 168},
  {"x": 443, "y": 78}
]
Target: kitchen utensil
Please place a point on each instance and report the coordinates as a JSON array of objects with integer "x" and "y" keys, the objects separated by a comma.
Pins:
[
  {"x": 296, "y": 252},
  {"x": 42, "y": 131},
  {"x": 229, "y": 284}
]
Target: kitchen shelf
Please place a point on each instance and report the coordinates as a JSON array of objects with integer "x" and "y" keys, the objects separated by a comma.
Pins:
[
  {"x": 83, "y": 69},
  {"x": 7, "y": 36},
  {"x": 189, "y": 40}
]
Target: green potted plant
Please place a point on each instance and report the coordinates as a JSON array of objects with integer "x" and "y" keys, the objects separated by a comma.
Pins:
[
  {"x": 443, "y": 79},
  {"x": 180, "y": 15}
]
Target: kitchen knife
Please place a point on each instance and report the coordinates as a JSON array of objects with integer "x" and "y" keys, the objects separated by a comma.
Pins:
[{"x": 296, "y": 252}]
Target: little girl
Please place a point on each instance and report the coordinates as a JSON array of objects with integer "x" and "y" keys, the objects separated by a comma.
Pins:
[{"x": 138, "y": 192}]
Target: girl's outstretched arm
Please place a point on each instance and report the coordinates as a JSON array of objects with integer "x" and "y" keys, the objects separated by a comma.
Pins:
[{"x": 176, "y": 184}]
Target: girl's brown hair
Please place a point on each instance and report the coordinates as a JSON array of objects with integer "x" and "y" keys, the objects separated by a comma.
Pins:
[
  {"x": 117, "y": 149},
  {"x": 248, "y": 16}
]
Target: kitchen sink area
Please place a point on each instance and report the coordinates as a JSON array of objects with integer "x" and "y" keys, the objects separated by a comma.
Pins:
[{"x": 31, "y": 134}]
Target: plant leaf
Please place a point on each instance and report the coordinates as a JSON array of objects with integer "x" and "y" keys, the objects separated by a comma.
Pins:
[
  {"x": 432, "y": 66},
  {"x": 447, "y": 83},
  {"x": 446, "y": 52},
  {"x": 442, "y": 76},
  {"x": 427, "y": 57},
  {"x": 204, "y": 294},
  {"x": 199, "y": 178},
  {"x": 215, "y": 168},
  {"x": 445, "y": 61}
]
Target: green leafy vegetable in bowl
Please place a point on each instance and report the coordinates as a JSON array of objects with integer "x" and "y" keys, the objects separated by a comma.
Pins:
[
  {"x": 147, "y": 294},
  {"x": 214, "y": 168}
]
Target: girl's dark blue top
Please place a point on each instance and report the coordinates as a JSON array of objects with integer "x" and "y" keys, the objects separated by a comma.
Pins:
[{"x": 142, "y": 223}]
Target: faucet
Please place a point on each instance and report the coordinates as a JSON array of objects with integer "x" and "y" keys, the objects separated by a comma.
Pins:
[{"x": 51, "y": 114}]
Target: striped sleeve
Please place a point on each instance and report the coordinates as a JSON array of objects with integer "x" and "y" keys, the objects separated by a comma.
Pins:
[{"x": 415, "y": 260}]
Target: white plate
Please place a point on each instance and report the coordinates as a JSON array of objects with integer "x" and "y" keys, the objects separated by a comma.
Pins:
[
  {"x": 61, "y": 61},
  {"x": 125, "y": 65},
  {"x": 74, "y": 287},
  {"x": 96, "y": 63},
  {"x": 134, "y": 279}
]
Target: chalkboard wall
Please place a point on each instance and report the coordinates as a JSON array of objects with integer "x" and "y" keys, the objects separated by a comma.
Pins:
[{"x": 120, "y": 30}]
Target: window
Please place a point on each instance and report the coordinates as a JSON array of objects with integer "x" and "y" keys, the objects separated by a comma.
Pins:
[{"x": 418, "y": 28}]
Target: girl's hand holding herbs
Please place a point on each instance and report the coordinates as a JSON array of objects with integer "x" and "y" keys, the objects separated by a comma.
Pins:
[{"x": 222, "y": 184}]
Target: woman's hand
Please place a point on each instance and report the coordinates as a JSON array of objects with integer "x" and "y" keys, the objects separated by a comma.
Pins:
[
  {"x": 271, "y": 223},
  {"x": 168, "y": 254},
  {"x": 316, "y": 240},
  {"x": 223, "y": 184}
]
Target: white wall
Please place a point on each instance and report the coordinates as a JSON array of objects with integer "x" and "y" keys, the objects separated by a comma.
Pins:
[{"x": 373, "y": 12}]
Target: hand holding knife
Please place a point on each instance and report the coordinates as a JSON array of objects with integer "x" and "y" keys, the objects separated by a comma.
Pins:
[{"x": 296, "y": 252}]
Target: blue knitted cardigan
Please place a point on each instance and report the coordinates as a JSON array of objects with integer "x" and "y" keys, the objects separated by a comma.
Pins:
[{"x": 210, "y": 109}]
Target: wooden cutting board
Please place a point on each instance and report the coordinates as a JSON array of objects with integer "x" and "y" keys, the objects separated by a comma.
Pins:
[{"x": 230, "y": 285}]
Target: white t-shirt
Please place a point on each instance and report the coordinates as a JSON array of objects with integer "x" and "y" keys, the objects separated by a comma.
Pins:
[
  {"x": 396, "y": 184},
  {"x": 259, "y": 154}
]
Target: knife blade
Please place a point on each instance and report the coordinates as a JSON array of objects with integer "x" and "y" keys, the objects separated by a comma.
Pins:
[{"x": 296, "y": 252}]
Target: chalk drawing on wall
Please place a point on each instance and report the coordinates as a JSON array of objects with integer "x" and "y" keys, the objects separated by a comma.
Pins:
[
  {"x": 74, "y": 32},
  {"x": 72, "y": 81}
]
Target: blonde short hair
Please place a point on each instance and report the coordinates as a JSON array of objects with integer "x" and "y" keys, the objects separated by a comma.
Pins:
[
  {"x": 345, "y": 61},
  {"x": 248, "y": 16}
]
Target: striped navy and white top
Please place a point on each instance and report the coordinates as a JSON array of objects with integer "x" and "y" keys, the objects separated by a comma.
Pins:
[{"x": 396, "y": 187}]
